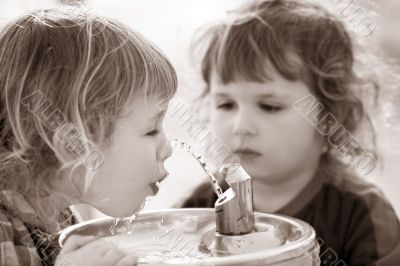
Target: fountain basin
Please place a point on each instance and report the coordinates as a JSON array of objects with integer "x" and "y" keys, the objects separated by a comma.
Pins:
[{"x": 187, "y": 237}]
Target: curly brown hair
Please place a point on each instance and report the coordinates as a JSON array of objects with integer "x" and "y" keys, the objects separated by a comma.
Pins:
[{"x": 301, "y": 41}]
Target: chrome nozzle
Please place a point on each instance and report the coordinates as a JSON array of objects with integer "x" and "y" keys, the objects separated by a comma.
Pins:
[{"x": 234, "y": 211}]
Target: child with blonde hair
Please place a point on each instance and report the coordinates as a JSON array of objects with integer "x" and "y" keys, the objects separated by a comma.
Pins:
[
  {"x": 82, "y": 105},
  {"x": 284, "y": 98}
]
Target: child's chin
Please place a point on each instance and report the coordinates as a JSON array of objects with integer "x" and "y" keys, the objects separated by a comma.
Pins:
[
  {"x": 122, "y": 213},
  {"x": 252, "y": 169}
]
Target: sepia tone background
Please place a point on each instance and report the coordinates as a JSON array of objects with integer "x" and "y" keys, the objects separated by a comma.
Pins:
[{"x": 171, "y": 24}]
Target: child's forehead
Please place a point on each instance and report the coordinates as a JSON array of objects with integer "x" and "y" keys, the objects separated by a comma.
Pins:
[
  {"x": 277, "y": 87},
  {"x": 147, "y": 106}
]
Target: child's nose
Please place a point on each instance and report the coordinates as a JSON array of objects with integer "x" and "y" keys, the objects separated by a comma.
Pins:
[
  {"x": 166, "y": 151},
  {"x": 244, "y": 125},
  {"x": 169, "y": 149}
]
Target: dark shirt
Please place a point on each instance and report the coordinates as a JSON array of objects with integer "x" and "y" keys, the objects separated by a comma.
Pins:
[{"x": 354, "y": 222}]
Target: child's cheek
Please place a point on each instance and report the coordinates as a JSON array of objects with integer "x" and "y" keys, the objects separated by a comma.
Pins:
[{"x": 221, "y": 130}]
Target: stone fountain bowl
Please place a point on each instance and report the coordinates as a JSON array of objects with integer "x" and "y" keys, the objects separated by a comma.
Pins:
[{"x": 187, "y": 237}]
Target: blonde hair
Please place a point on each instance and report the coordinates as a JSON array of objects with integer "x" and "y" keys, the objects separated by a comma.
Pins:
[{"x": 77, "y": 69}]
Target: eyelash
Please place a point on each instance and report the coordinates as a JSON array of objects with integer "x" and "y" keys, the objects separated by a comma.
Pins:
[
  {"x": 153, "y": 133},
  {"x": 265, "y": 107},
  {"x": 270, "y": 108},
  {"x": 225, "y": 106}
]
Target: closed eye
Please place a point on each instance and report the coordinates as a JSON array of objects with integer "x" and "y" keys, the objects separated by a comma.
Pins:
[
  {"x": 270, "y": 108},
  {"x": 152, "y": 133},
  {"x": 226, "y": 106}
]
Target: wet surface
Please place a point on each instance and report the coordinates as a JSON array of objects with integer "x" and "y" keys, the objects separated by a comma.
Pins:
[{"x": 188, "y": 236}]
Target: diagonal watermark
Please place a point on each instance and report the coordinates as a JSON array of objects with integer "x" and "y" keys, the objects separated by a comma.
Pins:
[
  {"x": 357, "y": 17},
  {"x": 338, "y": 137},
  {"x": 68, "y": 133},
  {"x": 212, "y": 147}
]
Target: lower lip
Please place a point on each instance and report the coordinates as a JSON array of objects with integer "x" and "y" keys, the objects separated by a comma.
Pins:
[
  {"x": 248, "y": 156},
  {"x": 154, "y": 188}
]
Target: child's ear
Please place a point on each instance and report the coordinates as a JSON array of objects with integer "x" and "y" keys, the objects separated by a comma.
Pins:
[
  {"x": 68, "y": 147},
  {"x": 71, "y": 146},
  {"x": 69, "y": 143}
]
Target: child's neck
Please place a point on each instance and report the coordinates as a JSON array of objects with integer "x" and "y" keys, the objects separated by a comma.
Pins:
[
  {"x": 273, "y": 197},
  {"x": 50, "y": 207}
]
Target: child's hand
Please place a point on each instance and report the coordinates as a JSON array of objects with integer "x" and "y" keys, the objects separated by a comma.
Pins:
[{"x": 86, "y": 250}]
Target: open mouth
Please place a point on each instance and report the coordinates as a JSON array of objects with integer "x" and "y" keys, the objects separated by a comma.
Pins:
[{"x": 155, "y": 187}]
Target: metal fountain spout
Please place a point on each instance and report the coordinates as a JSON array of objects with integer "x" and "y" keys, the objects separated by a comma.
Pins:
[
  {"x": 234, "y": 211},
  {"x": 234, "y": 207}
]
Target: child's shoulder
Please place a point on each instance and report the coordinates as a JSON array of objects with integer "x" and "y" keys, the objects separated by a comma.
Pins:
[
  {"x": 7, "y": 223},
  {"x": 365, "y": 213},
  {"x": 361, "y": 189},
  {"x": 365, "y": 197},
  {"x": 16, "y": 246}
]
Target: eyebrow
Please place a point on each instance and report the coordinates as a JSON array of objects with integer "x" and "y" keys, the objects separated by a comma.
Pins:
[
  {"x": 263, "y": 95},
  {"x": 271, "y": 95}
]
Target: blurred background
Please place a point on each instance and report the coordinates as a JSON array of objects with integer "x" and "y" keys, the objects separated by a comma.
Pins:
[{"x": 171, "y": 24}]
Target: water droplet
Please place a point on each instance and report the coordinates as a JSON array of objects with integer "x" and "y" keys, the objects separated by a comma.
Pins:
[
  {"x": 114, "y": 225},
  {"x": 128, "y": 223},
  {"x": 200, "y": 160}
]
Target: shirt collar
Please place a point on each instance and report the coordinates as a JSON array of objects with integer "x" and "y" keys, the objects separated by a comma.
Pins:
[{"x": 304, "y": 197}]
